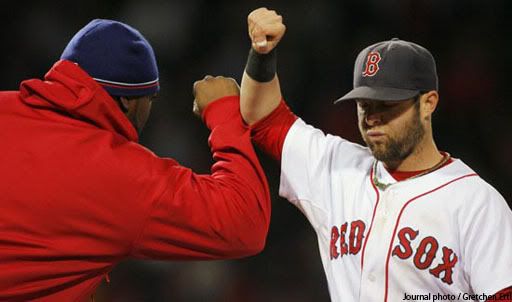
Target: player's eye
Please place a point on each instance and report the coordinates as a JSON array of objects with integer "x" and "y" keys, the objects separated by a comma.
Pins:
[
  {"x": 363, "y": 105},
  {"x": 388, "y": 105}
]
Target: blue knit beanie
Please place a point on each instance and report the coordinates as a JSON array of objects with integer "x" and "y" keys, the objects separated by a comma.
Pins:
[{"x": 117, "y": 56}]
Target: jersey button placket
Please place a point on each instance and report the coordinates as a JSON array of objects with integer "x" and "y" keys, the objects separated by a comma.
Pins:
[
  {"x": 373, "y": 274},
  {"x": 386, "y": 203}
]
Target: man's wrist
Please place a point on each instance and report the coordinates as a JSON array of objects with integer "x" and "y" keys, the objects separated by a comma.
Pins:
[{"x": 261, "y": 67}]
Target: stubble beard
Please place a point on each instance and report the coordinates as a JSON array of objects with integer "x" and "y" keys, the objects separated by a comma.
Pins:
[{"x": 400, "y": 147}]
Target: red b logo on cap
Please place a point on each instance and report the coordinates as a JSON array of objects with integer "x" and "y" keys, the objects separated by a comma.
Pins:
[{"x": 372, "y": 64}]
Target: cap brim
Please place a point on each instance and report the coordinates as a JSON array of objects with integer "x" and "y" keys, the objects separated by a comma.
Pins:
[{"x": 379, "y": 94}]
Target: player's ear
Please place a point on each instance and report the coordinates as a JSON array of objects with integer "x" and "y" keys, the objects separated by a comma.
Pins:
[
  {"x": 428, "y": 103},
  {"x": 125, "y": 103}
]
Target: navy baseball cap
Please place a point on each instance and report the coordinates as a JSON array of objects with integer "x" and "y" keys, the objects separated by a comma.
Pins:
[
  {"x": 393, "y": 70},
  {"x": 117, "y": 56}
]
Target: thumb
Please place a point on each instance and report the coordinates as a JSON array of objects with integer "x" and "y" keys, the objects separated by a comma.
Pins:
[
  {"x": 195, "y": 109},
  {"x": 260, "y": 45},
  {"x": 259, "y": 40}
]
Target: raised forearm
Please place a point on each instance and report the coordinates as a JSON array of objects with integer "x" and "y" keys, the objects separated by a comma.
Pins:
[
  {"x": 257, "y": 100},
  {"x": 222, "y": 215},
  {"x": 260, "y": 91}
]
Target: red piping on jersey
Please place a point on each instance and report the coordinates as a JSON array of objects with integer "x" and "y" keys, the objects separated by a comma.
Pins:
[
  {"x": 398, "y": 220},
  {"x": 373, "y": 217}
]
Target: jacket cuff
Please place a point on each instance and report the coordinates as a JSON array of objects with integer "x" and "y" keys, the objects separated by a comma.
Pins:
[{"x": 221, "y": 111}]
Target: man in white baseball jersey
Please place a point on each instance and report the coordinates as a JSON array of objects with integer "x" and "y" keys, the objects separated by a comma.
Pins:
[{"x": 397, "y": 220}]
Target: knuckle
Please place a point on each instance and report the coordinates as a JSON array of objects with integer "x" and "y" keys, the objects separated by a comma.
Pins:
[{"x": 255, "y": 13}]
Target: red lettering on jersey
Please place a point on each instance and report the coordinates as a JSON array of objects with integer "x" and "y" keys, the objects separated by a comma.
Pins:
[
  {"x": 356, "y": 236},
  {"x": 343, "y": 244},
  {"x": 355, "y": 239},
  {"x": 405, "y": 243},
  {"x": 335, "y": 235},
  {"x": 421, "y": 251},
  {"x": 372, "y": 64},
  {"x": 425, "y": 254},
  {"x": 446, "y": 266}
]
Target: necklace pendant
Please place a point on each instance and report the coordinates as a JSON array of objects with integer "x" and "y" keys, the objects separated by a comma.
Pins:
[{"x": 380, "y": 185}]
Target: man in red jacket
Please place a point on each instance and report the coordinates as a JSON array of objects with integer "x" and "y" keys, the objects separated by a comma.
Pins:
[{"x": 79, "y": 194}]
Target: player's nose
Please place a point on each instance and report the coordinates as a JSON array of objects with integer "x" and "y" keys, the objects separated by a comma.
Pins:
[{"x": 372, "y": 119}]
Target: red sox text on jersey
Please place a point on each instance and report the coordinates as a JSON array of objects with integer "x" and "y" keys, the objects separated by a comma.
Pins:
[{"x": 423, "y": 255}]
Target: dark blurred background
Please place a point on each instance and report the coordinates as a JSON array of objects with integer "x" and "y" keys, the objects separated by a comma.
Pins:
[{"x": 470, "y": 40}]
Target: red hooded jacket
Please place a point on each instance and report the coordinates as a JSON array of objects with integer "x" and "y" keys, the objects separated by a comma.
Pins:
[{"x": 78, "y": 194}]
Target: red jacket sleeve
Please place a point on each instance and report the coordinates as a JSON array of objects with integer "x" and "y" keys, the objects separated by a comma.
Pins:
[
  {"x": 222, "y": 215},
  {"x": 269, "y": 133}
]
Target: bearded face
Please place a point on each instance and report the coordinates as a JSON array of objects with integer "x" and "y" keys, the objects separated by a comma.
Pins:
[{"x": 392, "y": 130}]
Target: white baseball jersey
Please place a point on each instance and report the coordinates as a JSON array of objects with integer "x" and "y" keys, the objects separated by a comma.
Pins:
[{"x": 444, "y": 235}]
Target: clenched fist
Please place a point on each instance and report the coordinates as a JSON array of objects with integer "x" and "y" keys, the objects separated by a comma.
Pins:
[
  {"x": 266, "y": 29},
  {"x": 210, "y": 89}
]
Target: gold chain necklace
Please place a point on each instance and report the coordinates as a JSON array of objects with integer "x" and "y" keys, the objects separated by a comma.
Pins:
[{"x": 383, "y": 186}]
